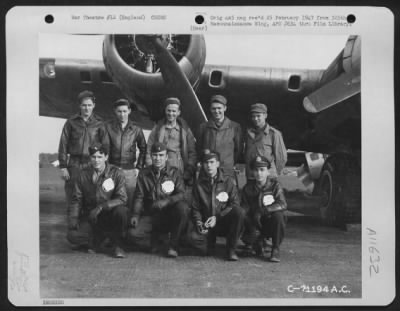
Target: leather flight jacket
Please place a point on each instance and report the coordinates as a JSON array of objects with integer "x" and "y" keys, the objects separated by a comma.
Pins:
[
  {"x": 122, "y": 145},
  {"x": 76, "y": 138},
  {"x": 216, "y": 199},
  {"x": 268, "y": 199},
  {"x": 108, "y": 191},
  {"x": 149, "y": 189}
]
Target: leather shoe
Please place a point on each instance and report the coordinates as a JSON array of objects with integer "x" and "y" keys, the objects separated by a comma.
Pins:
[
  {"x": 172, "y": 253},
  {"x": 119, "y": 252},
  {"x": 275, "y": 257},
  {"x": 232, "y": 255}
]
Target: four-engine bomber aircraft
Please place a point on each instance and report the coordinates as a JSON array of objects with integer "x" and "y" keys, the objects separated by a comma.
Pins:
[{"x": 316, "y": 110}]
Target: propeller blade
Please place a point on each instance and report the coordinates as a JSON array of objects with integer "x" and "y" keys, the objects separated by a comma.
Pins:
[
  {"x": 332, "y": 93},
  {"x": 178, "y": 84}
]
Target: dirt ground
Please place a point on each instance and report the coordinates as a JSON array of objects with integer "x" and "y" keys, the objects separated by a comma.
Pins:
[{"x": 316, "y": 262}]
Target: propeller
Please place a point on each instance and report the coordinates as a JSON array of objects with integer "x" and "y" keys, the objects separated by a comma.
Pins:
[{"x": 177, "y": 83}]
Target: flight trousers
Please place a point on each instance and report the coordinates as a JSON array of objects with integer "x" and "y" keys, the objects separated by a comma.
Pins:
[
  {"x": 171, "y": 219},
  {"x": 272, "y": 226},
  {"x": 229, "y": 226},
  {"x": 111, "y": 224}
]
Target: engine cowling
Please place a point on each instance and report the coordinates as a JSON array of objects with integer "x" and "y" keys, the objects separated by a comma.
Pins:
[{"x": 130, "y": 61}]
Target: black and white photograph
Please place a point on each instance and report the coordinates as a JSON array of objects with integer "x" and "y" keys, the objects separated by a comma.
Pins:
[
  {"x": 201, "y": 168},
  {"x": 298, "y": 125}
]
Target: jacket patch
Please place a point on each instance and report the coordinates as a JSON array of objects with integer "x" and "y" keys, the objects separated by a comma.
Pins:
[
  {"x": 108, "y": 185},
  {"x": 168, "y": 186},
  {"x": 268, "y": 199},
  {"x": 222, "y": 197}
]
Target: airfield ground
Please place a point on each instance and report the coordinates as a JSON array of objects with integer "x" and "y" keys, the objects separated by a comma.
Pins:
[{"x": 311, "y": 255}]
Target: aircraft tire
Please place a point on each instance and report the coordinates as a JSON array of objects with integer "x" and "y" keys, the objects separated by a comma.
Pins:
[{"x": 340, "y": 190}]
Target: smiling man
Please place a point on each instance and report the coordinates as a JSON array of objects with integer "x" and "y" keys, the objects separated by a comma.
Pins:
[
  {"x": 222, "y": 135},
  {"x": 174, "y": 132},
  {"x": 98, "y": 204},
  {"x": 79, "y": 132},
  {"x": 123, "y": 137},
  {"x": 159, "y": 205}
]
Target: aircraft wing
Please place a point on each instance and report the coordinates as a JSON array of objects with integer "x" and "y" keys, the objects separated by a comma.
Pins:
[{"x": 342, "y": 87}]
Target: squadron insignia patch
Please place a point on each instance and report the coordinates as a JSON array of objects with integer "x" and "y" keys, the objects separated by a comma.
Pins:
[
  {"x": 108, "y": 185},
  {"x": 268, "y": 199},
  {"x": 168, "y": 186},
  {"x": 222, "y": 197}
]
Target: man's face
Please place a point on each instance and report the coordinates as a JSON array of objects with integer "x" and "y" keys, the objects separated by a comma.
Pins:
[
  {"x": 172, "y": 112},
  {"x": 98, "y": 160},
  {"x": 218, "y": 111},
  {"x": 159, "y": 159},
  {"x": 258, "y": 119},
  {"x": 211, "y": 167},
  {"x": 122, "y": 113},
  {"x": 261, "y": 174},
  {"x": 86, "y": 107}
]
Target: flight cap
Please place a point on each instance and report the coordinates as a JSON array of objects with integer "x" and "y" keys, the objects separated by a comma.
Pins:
[
  {"x": 208, "y": 155},
  {"x": 158, "y": 147},
  {"x": 97, "y": 147},
  {"x": 219, "y": 99},
  {"x": 172, "y": 100},
  {"x": 85, "y": 94},
  {"x": 260, "y": 161},
  {"x": 259, "y": 107}
]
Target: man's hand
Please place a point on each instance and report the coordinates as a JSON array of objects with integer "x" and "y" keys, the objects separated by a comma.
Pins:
[
  {"x": 65, "y": 174},
  {"x": 211, "y": 222},
  {"x": 94, "y": 213},
  {"x": 160, "y": 204},
  {"x": 135, "y": 172},
  {"x": 73, "y": 224},
  {"x": 134, "y": 221},
  {"x": 201, "y": 228}
]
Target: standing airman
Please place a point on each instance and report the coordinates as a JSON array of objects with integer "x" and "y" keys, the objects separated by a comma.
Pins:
[{"x": 79, "y": 133}]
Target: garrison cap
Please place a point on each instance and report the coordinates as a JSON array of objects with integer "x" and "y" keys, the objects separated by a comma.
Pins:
[
  {"x": 259, "y": 107},
  {"x": 85, "y": 94},
  {"x": 97, "y": 147},
  {"x": 158, "y": 147},
  {"x": 172, "y": 100},
  {"x": 260, "y": 161},
  {"x": 208, "y": 155},
  {"x": 122, "y": 102},
  {"x": 219, "y": 99}
]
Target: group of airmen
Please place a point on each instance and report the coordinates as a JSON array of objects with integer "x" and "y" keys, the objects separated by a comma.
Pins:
[{"x": 117, "y": 198}]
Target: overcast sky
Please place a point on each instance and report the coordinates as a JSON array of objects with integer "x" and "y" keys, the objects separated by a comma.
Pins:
[{"x": 294, "y": 51}]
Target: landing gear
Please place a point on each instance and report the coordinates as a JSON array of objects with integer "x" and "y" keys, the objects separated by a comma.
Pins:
[{"x": 340, "y": 190}]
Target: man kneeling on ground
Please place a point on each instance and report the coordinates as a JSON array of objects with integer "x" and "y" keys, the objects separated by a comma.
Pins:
[
  {"x": 158, "y": 204},
  {"x": 265, "y": 205},
  {"x": 215, "y": 208},
  {"x": 98, "y": 204}
]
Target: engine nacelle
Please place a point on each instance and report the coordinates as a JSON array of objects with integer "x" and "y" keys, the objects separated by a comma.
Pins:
[{"x": 131, "y": 63}]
